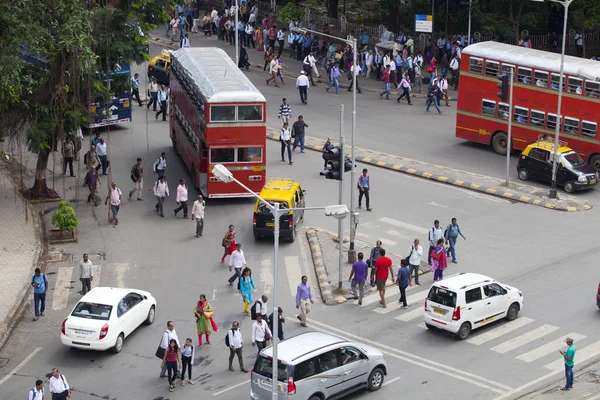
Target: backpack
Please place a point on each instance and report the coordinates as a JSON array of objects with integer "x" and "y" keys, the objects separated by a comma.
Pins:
[
  {"x": 430, "y": 68},
  {"x": 253, "y": 312},
  {"x": 133, "y": 173},
  {"x": 454, "y": 64},
  {"x": 227, "y": 338}
]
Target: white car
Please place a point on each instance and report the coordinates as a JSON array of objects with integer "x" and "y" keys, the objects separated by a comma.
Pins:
[
  {"x": 463, "y": 302},
  {"x": 105, "y": 316}
]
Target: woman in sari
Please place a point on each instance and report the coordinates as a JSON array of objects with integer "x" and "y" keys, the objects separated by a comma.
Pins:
[
  {"x": 228, "y": 242},
  {"x": 258, "y": 38},
  {"x": 246, "y": 288},
  {"x": 205, "y": 323}
]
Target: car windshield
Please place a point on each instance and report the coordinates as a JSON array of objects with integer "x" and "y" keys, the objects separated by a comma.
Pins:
[
  {"x": 92, "y": 311},
  {"x": 442, "y": 296},
  {"x": 574, "y": 159},
  {"x": 264, "y": 367},
  {"x": 262, "y": 208}
]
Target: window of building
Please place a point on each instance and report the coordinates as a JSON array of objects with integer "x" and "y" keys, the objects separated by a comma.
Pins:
[
  {"x": 524, "y": 75},
  {"x": 555, "y": 82},
  {"x": 222, "y": 113},
  {"x": 488, "y": 107},
  {"x": 506, "y": 70},
  {"x": 250, "y": 113},
  {"x": 537, "y": 118},
  {"x": 592, "y": 89},
  {"x": 588, "y": 129},
  {"x": 476, "y": 65},
  {"x": 541, "y": 78},
  {"x": 249, "y": 154},
  {"x": 491, "y": 68},
  {"x": 503, "y": 110},
  {"x": 575, "y": 85},
  {"x": 551, "y": 121},
  {"x": 222, "y": 156},
  {"x": 571, "y": 126},
  {"x": 521, "y": 115}
]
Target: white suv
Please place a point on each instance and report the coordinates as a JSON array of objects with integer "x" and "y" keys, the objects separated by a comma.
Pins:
[{"x": 463, "y": 302}]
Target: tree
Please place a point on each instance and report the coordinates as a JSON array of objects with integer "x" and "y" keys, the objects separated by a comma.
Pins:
[
  {"x": 332, "y": 8},
  {"x": 585, "y": 16}
]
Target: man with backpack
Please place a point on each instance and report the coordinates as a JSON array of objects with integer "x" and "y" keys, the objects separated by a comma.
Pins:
[
  {"x": 234, "y": 341},
  {"x": 260, "y": 308},
  {"x": 160, "y": 165},
  {"x": 37, "y": 393},
  {"x": 39, "y": 282},
  {"x": 451, "y": 234},
  {"x": 137, "y": 176}
]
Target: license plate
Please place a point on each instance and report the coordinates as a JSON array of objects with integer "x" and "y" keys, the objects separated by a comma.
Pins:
[
  {"x": 265, "y": 382},
  {"x": 593, "y": 182},
  {"x": 439, "y": 311},
  {"x": 257, "y": 168},
  {"x": 270, "y": 224}
]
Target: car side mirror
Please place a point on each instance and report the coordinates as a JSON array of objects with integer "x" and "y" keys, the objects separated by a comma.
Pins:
[{"x": 363, "y": 356}]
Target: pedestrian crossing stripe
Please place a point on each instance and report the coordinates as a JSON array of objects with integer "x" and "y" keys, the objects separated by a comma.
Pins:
[
  {"x": 549, "y": 348},
  {"x": 525, "y": 338},
  {"x": 410, "y": 300},
  {"x": 409, "y": 316},
  {"x": 490, "y": 334},
  {"x": 391, "y": 291}
]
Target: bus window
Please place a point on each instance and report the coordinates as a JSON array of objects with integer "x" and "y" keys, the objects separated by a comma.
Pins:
[
  {"x": 203, "y": 150},
  {"x": 503, "y": 110},
  {"x": 551, "y": 122},
  {"x": 575, "y": 85},
  {"x": 476, "y": 65},
  {"x": 222, "y": 113},
  {"x": 491, "y": 68},
  {"x": 541, "y": 78},
  {"x": 250, "y": 113},
  {"x": 506, "y": 70},
  {"x": 521, "y": 115},
  {"x": 588, "y": 129},
  {"x": 592, "y": 89},
  {"x": 249, "y": 154},
  {"x": 524, "y": 75},
  {"x": 555, "y": 82},
  {"x": 537, "y": 118},
  {"x": 488, "y": 107},
  {"x": 571, "y": 126},
  {"x": 222, "y": 156}
]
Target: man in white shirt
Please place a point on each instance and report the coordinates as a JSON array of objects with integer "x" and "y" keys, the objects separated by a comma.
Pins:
[
  {"x": 101, "y": 152},
  {"x": 414, "y": 259},
  {"x": 369, "y": 63},
  {"x": 435, "y": 234},
  {"x": 37, "y": 393},
  {"x": 356, "y": 70},
  {"x": 273, "y": 68},
  {"x": 198, "y": 215},
  {"x": 86, "y": 274},
  {"x": 302, "y": 86},
  {"x": 237, "y": 261},
  {"x": 260, "y": 333},
  {"x": 261, "y": 307},
  {"x": 160, "y": 165},
  {"x": 59, "y": 387},
  {"x": 234, "y": 337},
  {"x": 285, "y": 137},
  {"x": 308, "y": 65},
  {"x": 168, "y": 334},
  {"x": 161, "y": 190},
  {"x": 182, "y": 198},
  {"x": 116, "y": 199},
  {"x": 444, "y": 87},
  {"x": 280, "y": 40},
  {"x": 185, "y": 42}
]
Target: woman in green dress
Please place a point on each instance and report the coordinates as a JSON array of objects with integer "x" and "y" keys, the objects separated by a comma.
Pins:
[{"x": 205, "y": 323}]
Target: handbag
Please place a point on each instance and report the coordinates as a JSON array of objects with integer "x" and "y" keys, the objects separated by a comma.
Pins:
[
  {"x": 407, "y": 259},
  {"x": 208, "y": 314},
  {"x": 160, "y": 352},
  {"x": 223, "y": 244}
]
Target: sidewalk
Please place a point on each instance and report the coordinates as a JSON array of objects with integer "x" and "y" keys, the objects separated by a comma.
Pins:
[{"x": 585, "y": 386}]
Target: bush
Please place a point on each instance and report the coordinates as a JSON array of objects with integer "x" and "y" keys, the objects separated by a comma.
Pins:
[
  {"x": 64, "y": 218},
  {"x": 290, "y": 12}
]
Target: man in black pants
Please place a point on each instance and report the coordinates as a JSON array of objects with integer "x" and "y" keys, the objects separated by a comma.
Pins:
[{"x": 162, "y": 98}]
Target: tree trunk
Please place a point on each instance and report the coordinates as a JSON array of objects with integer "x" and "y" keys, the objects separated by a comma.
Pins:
[
  {"x": 40, "y": 190},
  {"x": 332, "y": 8}
]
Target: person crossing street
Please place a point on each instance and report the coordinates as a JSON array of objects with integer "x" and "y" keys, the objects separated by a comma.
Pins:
[
  {"x": 303, "y": 300},
  {"x": 285, "y": 137},
  {"x": 451, "y": 234},
  {"x": 285, "y": 111},
  {"x": 182, "y": 198},
  {"x": 86, "y": 274},
  {"x": 161, "y": 190},
  {"x": 302, "y": 86},
  {"x": 359, "y": 273},
  {"x": 364, "y": 187}
]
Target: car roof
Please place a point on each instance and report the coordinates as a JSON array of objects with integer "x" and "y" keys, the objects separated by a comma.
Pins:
[
  {"x": 548, "y": 145},
  {"x": 296, "y": 347},
  {"x": 279, "y": 189},
  {"x": 463, "y": 280},
  {"x": 107, "y": 295}
]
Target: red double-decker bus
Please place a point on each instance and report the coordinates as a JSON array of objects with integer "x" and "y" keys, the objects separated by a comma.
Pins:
[
  {"x": 482, "y": 117},
  {"x": 217, "y": 117}
]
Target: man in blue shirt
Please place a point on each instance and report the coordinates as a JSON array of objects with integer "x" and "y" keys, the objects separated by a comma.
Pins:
[
  {"x": 303, "y": 300},
  {"x": 39, "y": 282},
  {"x": 451, "y": 234},
  {"x": 403, "y": 280},
  {"x": 359, "y": 272},
  {"x": 364, "y": 39},
  {"x": 135, "y": 88},
  {"x": 364, "y": 186}
]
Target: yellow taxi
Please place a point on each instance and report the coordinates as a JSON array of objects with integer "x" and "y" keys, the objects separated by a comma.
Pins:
[
  {"x": 159, "y": 67},
  {"x": 289, "y": 194}
]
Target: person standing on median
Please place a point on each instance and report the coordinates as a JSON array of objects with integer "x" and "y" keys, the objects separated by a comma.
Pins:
[
  {"x": 569, "y": 358},
  {"x": 414, "y": 259},
  {"x": 303, "y": 300},
  {"x": 39, "y": 282},
  {"x": 86, "y": 274},
  {"x": 359, "y": 273},
  {"x": 198, "y": 215},
  {"x": 383, "y": 268},
  {"x": 451, "y": 234}
]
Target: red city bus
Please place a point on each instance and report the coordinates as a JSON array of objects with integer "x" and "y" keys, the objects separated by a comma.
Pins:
[
  {"x": 482, "y": 116},
  {"x": 217, "y": 117}
]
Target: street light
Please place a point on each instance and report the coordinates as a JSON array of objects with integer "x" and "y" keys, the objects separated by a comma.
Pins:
[
  {"x": 237, "y": 33},
  {"x": 352, "y": 43},
  {"x": 565, "y": 3},
  {"x": 338, "y": 211}
]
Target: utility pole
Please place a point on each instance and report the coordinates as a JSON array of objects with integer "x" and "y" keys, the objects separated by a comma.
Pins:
[
  {"x": 341, "y": 195},
  {"x": 510, "y": 106}
]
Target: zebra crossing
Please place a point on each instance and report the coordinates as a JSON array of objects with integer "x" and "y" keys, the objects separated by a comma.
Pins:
[
  {"x": 395, "y": 235},
  {"x": 524, "y": 339}
]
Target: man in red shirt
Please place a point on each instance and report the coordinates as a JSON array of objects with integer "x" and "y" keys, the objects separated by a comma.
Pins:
[{"x": 383, "y": 268}]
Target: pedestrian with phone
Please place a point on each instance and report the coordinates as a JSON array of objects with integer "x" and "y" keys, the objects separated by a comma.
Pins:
[{"x": 569, "y": 358}]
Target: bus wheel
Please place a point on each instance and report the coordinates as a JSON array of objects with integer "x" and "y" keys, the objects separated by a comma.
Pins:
[
  {"x": 595, "y": 161},
  {"x": 500, "y": 143}
]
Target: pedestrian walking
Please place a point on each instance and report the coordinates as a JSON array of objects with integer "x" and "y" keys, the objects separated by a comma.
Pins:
[
  {"x": 435, "y": 234},
  {"x": 246, "y": 287},
  {"x": 302, "y": 86},
  {"x": 162, "y": 99},
  {"x": 364, "y": 187},
  {"x": 439, "y": 260},
  {"x": 432, "y": 92},
  {"x": 168, "y": 335},
  {"x": 356, "y": 70},
  {"x": 451, "y": 234},
  {"x": 161, "y": 190},
  {"x": 273, "y": 68},
  {"x": 228, "y": 243},
  {"x": 373, "y": 257},
  {"x": 298, "y": 133},
  {"x": 39, "y": 282},
  {"x": 260, "y": 307},
  {"x": 172, "y": 361},
  {"x": 153, "y": 89},
  {"x": 405, "y": 87},
  {"x": 403, "y": 280},
  {"x": 235, "y": 342},
  {"x": 198, "y": 215},
  {"x": 414, "y": 259},
  {"x": 92, "y": 180},
  {"x": 137, "y": 177},
  {"x": 285, "y": 111},
  {"x": 261, "y": 333},
  {"x": 115, "y": 196},
  {"x": 185, "y": 42},
  {"x": 59, "y": 387},
  {"x": 68, "y": 150},
  {"x": 101, "y": 152},
  {"x": 182, "y": 198},
  {"x": 303, "y": 300},
  {"x": 188, "y": 354},
  {"x": 237, "y": 261},
  {"x": 78, "y": 142},
  {"x": 418, "y": 75},
  {"x": 280, "y": 68},
  {"x": 359, "y": 273},
  {"x": 37, "y": 392},
  {"x": 160, "y": 165},
  {"x": 86, "y": 274},
  {"x": 569, "y": 358},
  {"x": 285, "y": 137},
  {"x": 383, "y": 269},
  {"x": 334, "y": 74},
  {"x": 244, "y": 61},
  {"x": 91, "y": 159},
  {"x": 280, "y": 322},
  {"x": 205, "y": 322},
  {"x": 387, "y": 82},
  {"x": 135, "y": 88},
  {"x": 308, "y": 64}
]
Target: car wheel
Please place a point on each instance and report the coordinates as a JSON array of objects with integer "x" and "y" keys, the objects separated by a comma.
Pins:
[
  {"x": 315, "y": 397},
  {"x": 569, "y": 187},
  {"x": 151, "y": 314},
  {"x": 523, "y": 174},
  {"x": 293, "y": 235},
  {"x": 430, "y": 327},
  {"x": 256, "y": 237},
  {"x": 119, "y": 343},
  {"x": 500, "y": 143},
  {"x": 375, "y": 379},
  {"x": 513, "y": 312},
  {"x": 464, "y": 331}
]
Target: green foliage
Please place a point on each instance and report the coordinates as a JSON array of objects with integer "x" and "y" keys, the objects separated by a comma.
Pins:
[
  {"x": 290, "y": 12},
  {"x": 64, "y": 218},
  {"x": 585, "y": 15}
]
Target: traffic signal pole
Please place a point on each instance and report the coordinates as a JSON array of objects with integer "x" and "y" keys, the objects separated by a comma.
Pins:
[
  {"x": 341, "y": 195},
  {"x": 510, "y": 106}
]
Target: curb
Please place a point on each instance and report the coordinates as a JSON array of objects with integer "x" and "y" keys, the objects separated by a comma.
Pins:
[
  {"x": 376, "y": 159},
  {"x": 315, "y": 248}
]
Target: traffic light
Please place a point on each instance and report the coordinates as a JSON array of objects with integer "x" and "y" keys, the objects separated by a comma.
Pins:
[
  {"x": 333, "y": 163},
  {"x": 503, "y": 86}
]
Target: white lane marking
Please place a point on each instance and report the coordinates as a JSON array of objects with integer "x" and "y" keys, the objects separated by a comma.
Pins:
[
  {"x": 549, "y": 348},
  {"x": 496, "y": 332},
  {"x": 437, "y": 205},
  {"x": 304, "y": 257},
  {"x": 266, "y": 275},
  {"x": 214, "y": 295},
  {"x": 581, "y": 355},
  {"x": 120, "y": 271},
  {"x": 390, "y": 291},
  {"x": 409, "y": 316},
  {"x": 21, "y": 365},
  {"x": 97, "y": 274},
  {"x": 391, "y": 381},
  {"x": 417, "y": 360},
  {"x": 293, "y": 272},
  {"x": 397, "y": 234},
  {"x": 525, "y": 338},
  {"x": 62, "y": 287},
  {"x": 484, "y": 197},
  {"x": 395, "y": 305},
  {"x": 231, "y": 388},
  {"x": 404, "y": 225},
  {"x": 388, "y": 242}
]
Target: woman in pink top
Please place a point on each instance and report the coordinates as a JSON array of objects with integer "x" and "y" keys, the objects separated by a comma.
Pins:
[
  {"x": 173, "y": 360},
  {"x": 439, "y": 262}
]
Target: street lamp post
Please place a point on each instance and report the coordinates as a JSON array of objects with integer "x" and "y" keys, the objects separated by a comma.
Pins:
[
  {"x": 338, "y": 211},
  {"x": 237, "y": 34},
  {"x": 469, "y": 29}
]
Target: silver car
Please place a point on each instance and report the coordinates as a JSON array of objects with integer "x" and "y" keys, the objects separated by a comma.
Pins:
[{"x": 318, "y": 366}]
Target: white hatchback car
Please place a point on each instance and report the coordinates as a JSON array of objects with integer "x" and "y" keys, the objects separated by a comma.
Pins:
[
  {"x": 105, "y": 316},
  {"x": 463, "y": 302}
]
